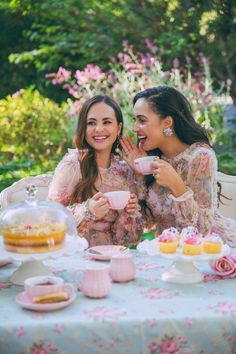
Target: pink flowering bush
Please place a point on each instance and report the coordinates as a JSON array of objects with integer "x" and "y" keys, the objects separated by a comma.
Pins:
[{"x": 132, "y": 72}]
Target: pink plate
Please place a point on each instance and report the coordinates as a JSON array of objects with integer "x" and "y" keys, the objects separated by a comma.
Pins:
[
  {"x": 4, "y": 262},
  {"x": 24, "y": 300},
  {"x": 107, "y": 251}
]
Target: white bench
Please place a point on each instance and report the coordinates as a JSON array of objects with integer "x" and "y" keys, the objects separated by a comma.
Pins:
[
  {"x": 228, "y": 184},
  {"x": 17, "y": 191}
]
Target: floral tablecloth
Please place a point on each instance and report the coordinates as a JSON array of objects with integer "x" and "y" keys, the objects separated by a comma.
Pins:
[{"x": 146, "y": 315}]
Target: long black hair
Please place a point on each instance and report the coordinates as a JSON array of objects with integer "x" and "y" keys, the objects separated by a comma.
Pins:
[{"x": 167, "y": 101}]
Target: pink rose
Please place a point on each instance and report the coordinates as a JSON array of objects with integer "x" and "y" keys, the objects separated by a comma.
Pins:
[
  {"x": 225, "y": 267},
  {"x": 169, "y": 346}
]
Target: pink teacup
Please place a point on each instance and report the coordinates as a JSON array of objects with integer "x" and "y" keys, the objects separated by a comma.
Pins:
[
  {"x": 96, "y": 282},
  {"x": 44, "y": 285},
  {"x": 118, "y": 199},
  {"x": 122, "y": 268},
  {"x": 143, "y": 164}
]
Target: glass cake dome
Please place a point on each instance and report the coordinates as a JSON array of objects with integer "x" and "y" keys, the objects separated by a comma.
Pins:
[{"x": 36, "y": 226}]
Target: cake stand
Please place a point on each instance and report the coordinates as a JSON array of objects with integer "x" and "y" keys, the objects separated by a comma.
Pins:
[
  {"x": 32, "y": 264},
  {"x": 182, "y": 270}
]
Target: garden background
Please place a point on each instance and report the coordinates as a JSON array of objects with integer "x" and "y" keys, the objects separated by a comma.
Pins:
[{"x": 56, "y": 53}]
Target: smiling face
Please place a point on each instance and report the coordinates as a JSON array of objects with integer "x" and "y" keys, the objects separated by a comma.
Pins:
[
  {"x": 102, "y": 127},
  {"x": 149, "y": 125}
]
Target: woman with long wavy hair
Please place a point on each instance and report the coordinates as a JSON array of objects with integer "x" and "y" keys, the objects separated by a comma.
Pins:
[
  {"x": 90, "y": 170},
  {"x": 182, "y": 191}
]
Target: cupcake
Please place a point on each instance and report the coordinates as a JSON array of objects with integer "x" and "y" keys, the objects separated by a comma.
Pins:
[
  {"x": 212, "y": 243},
  {"x": 167, "y": 243},
  {"x": 192, "y": 246},
  {"x": 189, "y": 232},
  {"x": 171, "y": 231}
]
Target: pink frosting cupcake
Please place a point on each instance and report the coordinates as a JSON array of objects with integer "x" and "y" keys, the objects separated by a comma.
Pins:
[
  {"x": 212, "y": 243},
  {"x": 192, "y": 245},
  {"x": 167, "y": 243},
  {"x": 189, "y": 232},
  {"x": 171, "y": 231}
]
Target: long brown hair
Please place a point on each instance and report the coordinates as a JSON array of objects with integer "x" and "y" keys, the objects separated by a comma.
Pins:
[{"x": 89, "y": 170}]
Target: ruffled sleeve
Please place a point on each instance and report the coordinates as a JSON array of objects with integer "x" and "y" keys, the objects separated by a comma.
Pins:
[
  {"x": 66, "y": 176},
  {"x": 196, "y": 207}
]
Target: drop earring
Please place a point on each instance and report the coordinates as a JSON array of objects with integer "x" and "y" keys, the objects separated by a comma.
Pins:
[
  {"x": 168, "y": 131},
  {"x": 117, "y": 150}
]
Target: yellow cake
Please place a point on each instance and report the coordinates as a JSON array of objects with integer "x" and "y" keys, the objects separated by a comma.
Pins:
[
  {"x": 192, "y": 246},
  {"x": 39, "y": 238},
  {"x": 51, "y": 298},
  {"x": 167, "y": 243},
  {"x": 212, "y": 243}
]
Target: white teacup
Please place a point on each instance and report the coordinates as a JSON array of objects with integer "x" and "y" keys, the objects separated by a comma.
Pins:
[
  {"x": 96, "y": 281},
  {"x": 118, "y": 199},
  {"x": 143, "y": 164},
  {"x": 44, "y": 285}
]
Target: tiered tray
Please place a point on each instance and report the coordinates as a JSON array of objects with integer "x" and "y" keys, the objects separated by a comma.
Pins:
[
  {"x": 182, "y": 270},
  {"x": 32, "y": 264}
]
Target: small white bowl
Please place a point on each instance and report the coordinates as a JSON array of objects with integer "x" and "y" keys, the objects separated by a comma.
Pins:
[
  {"x": 143, "y": 164},
  {"x": 118, "y": 199}
]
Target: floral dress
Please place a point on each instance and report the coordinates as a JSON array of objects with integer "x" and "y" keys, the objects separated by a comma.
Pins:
[
  {"x": 117, "y": 227},
  {"x": 197, "y": 166}
]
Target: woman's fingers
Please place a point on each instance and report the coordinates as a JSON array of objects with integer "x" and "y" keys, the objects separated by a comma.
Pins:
[
  {"x": 97, "y": 196},
  {"x": 124, "y": 145},
  {"x": 130, "y": 143}
]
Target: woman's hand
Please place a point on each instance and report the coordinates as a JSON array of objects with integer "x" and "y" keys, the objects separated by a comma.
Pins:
[
  {"x": 130, "y": 151},
  {"x": 131, "y": 207},
  {"x": 166, "y": 176},
  {"x": 98, "y": 206}
]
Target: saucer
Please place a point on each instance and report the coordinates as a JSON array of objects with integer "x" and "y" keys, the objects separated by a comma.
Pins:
[
  {"x": 4, "y": 262},
  {"x": 25, "y": 301},
  {"x": 107, "y": 251}
]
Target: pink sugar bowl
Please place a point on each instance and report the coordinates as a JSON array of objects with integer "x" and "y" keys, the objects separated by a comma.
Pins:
[
  {"x": 96, "y": 281},
  {"x": 122, "y": 268}
]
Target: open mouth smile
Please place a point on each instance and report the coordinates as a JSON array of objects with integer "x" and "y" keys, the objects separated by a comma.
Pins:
[
  {"x": 100, "y": 138},
  {"x": 142, "y": 139}
]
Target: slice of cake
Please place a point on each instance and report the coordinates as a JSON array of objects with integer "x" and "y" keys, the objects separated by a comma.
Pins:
[{"x": 51, "y": 298}]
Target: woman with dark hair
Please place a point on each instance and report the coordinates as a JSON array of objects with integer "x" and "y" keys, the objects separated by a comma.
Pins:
[
  {"x": 92, "y": 169},
  {"x": 183, "y": 188}
]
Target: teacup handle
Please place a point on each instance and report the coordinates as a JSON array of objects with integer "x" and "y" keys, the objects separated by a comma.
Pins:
[{"x": 69, "y": 288}]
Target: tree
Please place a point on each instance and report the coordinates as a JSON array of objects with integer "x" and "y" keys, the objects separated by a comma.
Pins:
[{"x": 73, "y": 33}]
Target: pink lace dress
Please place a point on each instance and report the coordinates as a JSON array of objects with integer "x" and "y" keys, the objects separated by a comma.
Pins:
[
  {"x": 117, "y": 227},
  {"x": 197, "y": 166}
]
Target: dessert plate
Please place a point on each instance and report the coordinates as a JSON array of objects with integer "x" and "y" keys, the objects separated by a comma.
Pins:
[
  {"x": 25, "y": 301},
  {"x": 182, "y": 271},
  {"x": 4, "y": 262},
  {"x": 104, "y": 253}
]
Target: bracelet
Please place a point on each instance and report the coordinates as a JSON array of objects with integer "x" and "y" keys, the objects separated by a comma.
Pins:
[{"x": 87, "y": 214}]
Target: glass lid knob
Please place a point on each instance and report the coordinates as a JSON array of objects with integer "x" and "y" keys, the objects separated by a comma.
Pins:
[{"x": 31, "y": 190}]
